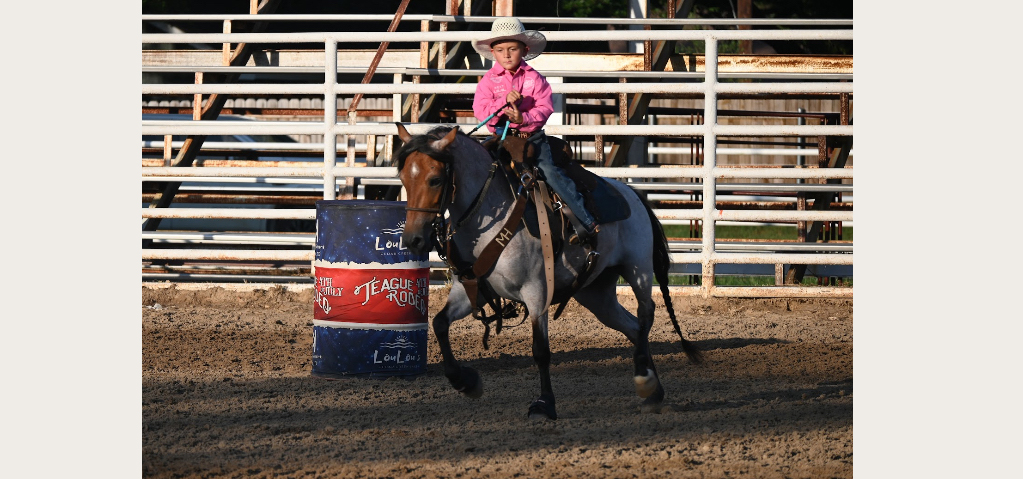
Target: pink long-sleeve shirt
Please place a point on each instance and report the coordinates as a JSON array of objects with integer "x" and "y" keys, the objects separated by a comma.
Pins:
[{"x": 493, "y": 88}]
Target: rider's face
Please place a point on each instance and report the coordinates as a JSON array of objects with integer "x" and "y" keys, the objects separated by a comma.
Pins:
[{"x": 509, "y": 54}]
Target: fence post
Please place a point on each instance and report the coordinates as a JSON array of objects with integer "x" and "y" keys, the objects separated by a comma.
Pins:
[
  {"x": 227, "y": 46},
  {"x": 197, "y": 99},
  {"x": 329, "y": 120},
  {"x": 710, "y": 107}
]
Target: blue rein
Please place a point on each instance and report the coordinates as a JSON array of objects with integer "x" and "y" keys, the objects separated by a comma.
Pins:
[{"x": 484, "y": 122}]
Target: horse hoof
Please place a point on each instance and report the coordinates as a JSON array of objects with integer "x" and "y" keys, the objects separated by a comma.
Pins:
[
  {"x": 542, "y": 409},
  {"x": 654, "y": 403},
  {"x": 538, "y": 417},
  {"x": 646, "y": 385},
  {"x": 472, "y": 384}
]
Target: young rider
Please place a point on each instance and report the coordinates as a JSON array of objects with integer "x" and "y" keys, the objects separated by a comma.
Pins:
[{"x": 528, "y": 96}]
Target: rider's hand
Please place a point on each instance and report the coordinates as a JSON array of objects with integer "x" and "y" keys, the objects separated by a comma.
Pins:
[
  {"x": 513, "y": 113},
  {"x": 513, "y": 97}
]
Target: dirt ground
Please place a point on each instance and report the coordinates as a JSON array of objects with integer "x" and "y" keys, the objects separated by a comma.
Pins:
[{"x": 227, "y": 392}]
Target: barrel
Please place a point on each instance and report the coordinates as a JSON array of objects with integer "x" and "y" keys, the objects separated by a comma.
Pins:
[{"x": 371, "y": 292}]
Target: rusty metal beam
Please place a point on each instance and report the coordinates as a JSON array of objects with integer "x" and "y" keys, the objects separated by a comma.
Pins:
[
  {"x": 380, "y": 53},
  {"x": 655, "y": 60},
  {"x": 585, "y": 62},
  {"x": 504, "y": 8}
]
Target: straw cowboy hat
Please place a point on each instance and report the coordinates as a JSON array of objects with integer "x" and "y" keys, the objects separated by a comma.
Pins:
[{"x": 510, "y": 28}]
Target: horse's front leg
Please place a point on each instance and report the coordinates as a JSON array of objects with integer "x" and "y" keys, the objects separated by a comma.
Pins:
[
  {"x": 463, "y": 378},
  {"x": 543, "y": 406}
]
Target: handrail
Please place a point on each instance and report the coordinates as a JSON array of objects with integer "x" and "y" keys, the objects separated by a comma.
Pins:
[
  {"x": 468, "y": 89},
  {"x": 295, "y": 128},
  {"x": 633, "y": 74},
  {"x": 468, "y": 36},
  {"x": 672, "y": 171},
  {"x": 427, "y": 72},
  {"x": 787, "y": 22},
  {"x": 309, "y": 239},
  {"x": 667, "y": 214}
]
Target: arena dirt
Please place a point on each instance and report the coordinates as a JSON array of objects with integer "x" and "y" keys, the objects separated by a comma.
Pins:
[{"x": 227, "y": 392}]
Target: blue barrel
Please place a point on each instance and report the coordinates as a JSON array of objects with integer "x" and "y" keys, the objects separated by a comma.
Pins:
[{"x": 371, "y": 302}]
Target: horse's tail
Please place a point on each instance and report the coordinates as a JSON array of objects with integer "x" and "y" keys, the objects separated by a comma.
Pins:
[{"x": 662, "y": 264}]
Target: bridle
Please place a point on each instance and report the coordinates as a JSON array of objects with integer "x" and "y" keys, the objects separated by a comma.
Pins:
[
  {"x": 442, "y": 227},
  {"x": 439, "y": 223}
]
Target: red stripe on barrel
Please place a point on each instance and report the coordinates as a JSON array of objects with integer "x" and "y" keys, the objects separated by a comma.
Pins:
[{"x": 376, "y": 296}]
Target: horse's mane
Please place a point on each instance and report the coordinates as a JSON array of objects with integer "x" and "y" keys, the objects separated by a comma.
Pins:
[{"x": 421, "y": 143}]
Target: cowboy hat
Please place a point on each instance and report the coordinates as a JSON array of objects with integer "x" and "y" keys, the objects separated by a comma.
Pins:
[{"x": 510, "y": 28}]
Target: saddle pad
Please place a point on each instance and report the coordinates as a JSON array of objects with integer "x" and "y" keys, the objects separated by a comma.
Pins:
[{"x": 604, "y": 201}]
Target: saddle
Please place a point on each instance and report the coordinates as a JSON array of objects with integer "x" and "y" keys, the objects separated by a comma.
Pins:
[
  {"x": 603, "y": 201},
  {"x": 517, "y": 157}
]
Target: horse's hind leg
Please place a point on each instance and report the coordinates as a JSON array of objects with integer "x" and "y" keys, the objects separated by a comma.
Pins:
[
  {"x": 463, "y": 378},
  {"x": 601, "y": 299},
  {"x": 647, "y": 383}
]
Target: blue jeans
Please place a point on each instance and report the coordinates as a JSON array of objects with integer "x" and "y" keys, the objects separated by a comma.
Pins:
[{"x": 559, "y": 181}]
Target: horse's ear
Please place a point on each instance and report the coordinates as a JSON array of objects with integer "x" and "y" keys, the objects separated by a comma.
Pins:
[
  {"x": 403, "y": 133},
  {"x": 443, "y": 143}
]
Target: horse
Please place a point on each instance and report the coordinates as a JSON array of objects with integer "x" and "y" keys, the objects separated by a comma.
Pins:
[{"x": 445, "y": 175}]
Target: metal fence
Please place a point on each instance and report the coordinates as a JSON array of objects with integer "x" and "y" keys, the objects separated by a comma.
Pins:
[{"x": 334, "y": 172}]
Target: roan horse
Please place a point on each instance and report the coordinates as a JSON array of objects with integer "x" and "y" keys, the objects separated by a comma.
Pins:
[{"x": 447, "y": 176}]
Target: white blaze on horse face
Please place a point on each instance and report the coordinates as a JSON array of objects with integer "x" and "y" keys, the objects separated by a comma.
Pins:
[{"x": 413, "y": 171}]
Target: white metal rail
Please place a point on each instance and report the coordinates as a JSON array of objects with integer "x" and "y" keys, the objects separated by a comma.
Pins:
[{"x": 330, "y": 172}]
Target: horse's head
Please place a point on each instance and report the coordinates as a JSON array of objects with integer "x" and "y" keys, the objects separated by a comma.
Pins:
[{"x": 424, "y": 166}]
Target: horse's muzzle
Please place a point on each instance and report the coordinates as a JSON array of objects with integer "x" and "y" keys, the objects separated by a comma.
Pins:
[{"x": 417, "y": 243}]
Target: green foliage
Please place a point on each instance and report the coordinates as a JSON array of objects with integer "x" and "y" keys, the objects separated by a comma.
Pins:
[
  {"x": 788, "y": 9},
  {"x": 686, "y": 280},
  {"x": 761, "y": 233},
  {"x": 595, "y": 8},
  {"x": 292, "y": 7}
]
